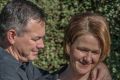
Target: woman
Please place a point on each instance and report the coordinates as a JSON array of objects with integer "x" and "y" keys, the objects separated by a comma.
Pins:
[{"x": 87, "y": 43}]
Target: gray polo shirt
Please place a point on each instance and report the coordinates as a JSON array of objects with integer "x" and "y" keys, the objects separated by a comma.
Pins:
[{"x": 11, "y": 69}]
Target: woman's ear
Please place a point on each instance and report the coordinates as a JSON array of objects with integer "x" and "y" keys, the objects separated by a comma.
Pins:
[
  {"x": 68, "y": 49},
  {"x": 11, "y": 34}
]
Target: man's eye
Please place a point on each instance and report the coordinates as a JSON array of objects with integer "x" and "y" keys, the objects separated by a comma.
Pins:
[{"x": 35, "y": 39}]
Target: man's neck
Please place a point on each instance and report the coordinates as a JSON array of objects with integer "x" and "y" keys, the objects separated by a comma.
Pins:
[{"x": 11, "y": 51}]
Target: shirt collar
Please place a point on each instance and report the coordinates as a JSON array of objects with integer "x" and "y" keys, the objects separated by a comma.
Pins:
[{"x": 8, "y": 57}]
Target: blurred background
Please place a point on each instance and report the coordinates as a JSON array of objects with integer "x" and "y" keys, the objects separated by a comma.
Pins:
[{"x": 58, "y": 13}]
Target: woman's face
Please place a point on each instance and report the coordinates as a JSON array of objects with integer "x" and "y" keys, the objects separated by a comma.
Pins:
[{"x": 84, "y": 53}]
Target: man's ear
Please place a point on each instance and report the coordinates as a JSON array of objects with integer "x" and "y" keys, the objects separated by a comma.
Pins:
[{"x": 11, "y": 34}]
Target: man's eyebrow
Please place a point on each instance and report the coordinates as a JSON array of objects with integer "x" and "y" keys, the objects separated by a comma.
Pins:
[{"x": 38, "y": 37}]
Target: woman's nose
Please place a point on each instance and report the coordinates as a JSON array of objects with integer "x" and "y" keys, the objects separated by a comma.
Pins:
[{"x": 88, "y": 57}]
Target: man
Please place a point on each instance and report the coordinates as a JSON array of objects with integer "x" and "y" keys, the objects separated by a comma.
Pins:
[{"x": 22, "y": 31}]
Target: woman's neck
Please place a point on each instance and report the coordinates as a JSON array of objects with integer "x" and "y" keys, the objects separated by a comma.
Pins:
[{"x": 69, "y": 74}]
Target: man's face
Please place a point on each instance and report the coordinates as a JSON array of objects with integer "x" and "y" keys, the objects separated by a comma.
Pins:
[{"x": 28, "y": 45}]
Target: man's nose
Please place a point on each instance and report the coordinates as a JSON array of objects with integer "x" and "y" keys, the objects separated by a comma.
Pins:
[{"x": 40, "y": 44}]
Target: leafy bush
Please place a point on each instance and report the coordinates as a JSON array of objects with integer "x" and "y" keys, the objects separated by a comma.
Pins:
[{"x": 58, "y": 13}]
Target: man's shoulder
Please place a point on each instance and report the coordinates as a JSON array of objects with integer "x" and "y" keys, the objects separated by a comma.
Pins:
[
  {"x": 40, "y": 71},
  {"x": 6, "y": 66},
  {"x": 46, "y": 75},
  {"x": 7, "y": 62},
  {"x": 7, "y": 71},
  {"x": 44, "y": 72}
]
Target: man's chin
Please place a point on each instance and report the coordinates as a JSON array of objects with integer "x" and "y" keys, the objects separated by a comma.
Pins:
[{"x": 33, "y": 58}]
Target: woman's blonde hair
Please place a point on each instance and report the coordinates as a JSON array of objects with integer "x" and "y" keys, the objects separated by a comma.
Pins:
[{"x": 92, "y": 23}]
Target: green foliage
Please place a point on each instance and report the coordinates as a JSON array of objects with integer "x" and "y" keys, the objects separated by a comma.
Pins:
[
  {"x": 2, "y": 3},
  {"x": 58, "y": 13}
]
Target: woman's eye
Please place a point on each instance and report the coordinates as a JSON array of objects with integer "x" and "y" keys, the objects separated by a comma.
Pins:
[
  {"x": 83, "y": 50},
  {"x": 96, "y": 52}
]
